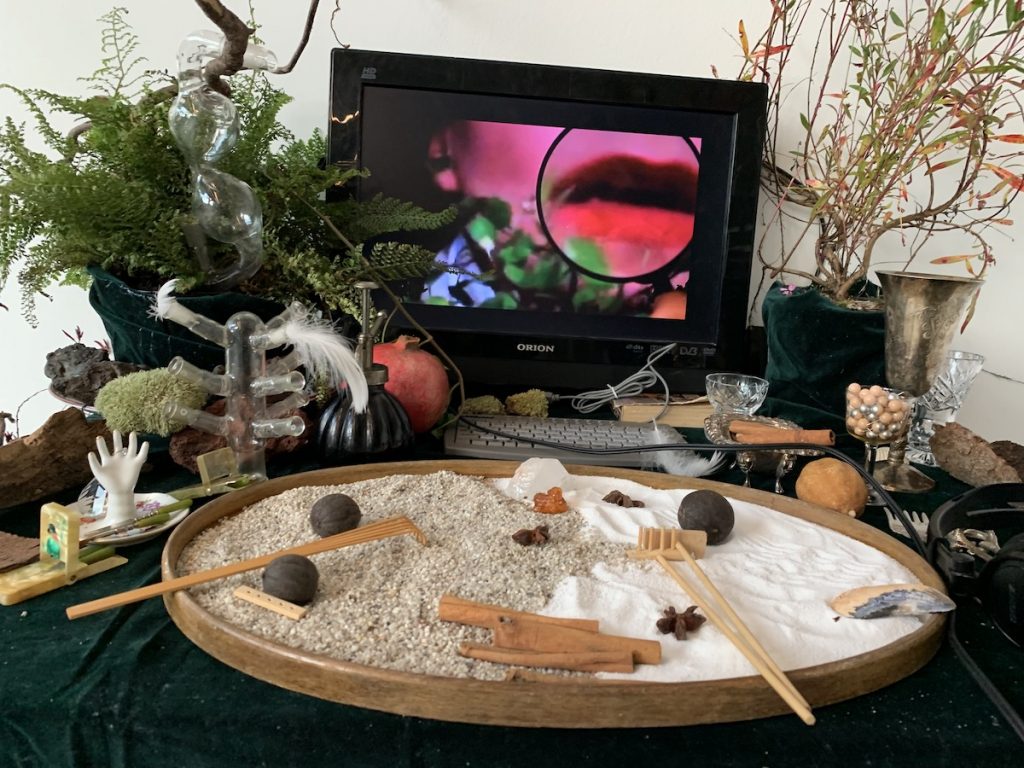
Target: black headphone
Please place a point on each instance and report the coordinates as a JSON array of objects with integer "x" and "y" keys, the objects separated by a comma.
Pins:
[{"x": 997, "y": 580}]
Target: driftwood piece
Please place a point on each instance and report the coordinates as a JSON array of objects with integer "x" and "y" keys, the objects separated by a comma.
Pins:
[
  {"x": 50, "y": 459},
  {"x": 16, "y": 551},
  {"x": 969, "y": 458},
  {"x": 1012, "y": 453}
]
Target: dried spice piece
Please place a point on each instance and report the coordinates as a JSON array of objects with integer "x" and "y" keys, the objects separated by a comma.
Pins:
[
  {"x": 528, "y": 536},
  {"x": 618, "y": 497},
  {"x": 550, "y": 503},
  {"x": 679, "y": 624}
]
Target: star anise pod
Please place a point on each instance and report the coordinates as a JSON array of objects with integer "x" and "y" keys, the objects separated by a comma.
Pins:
[
  {"x": 528, "y": 536},
  {"x": 618, "y": 497},
  {"x": 679, "y": 624}
]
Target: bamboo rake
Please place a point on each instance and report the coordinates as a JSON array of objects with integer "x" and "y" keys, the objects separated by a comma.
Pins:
[
  {"x": 741, "y": 636},
  {"x": 383, "y": 529}
]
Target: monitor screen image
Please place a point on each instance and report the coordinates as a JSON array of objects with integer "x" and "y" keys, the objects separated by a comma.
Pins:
[{"x": 593, "y": 223}]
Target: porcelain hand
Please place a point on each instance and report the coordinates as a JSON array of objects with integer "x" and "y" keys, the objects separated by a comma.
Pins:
[{"x": 118, "y": 472}]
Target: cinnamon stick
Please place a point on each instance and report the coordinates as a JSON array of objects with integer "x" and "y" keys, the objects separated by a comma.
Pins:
[
  {"x": 461, "y": 611},
  {"x": 580, "y": 661},
  {"x": 760, "y": 434},
  {"x": 524, "y": 634}
]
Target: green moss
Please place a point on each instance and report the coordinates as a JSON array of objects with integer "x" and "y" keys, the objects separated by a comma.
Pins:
[
  {"x": 135, "y": 403},
  {"x": 532, "y": 402},
  {"x": 485, "y": 405}
]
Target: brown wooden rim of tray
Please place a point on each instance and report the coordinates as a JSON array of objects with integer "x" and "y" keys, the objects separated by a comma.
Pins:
[{"x": 539, "y": 701}]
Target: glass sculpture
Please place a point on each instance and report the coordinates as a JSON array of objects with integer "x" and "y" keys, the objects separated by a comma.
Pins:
[
  {"x": 248, "y": 379},
  {"x": 204, "y": 124}
]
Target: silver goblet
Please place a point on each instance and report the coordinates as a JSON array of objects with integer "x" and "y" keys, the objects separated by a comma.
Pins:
[{"x": 922, "y": 313}]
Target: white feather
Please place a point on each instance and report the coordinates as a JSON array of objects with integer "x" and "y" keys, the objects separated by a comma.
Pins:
[
  {"x": 164, "y": 301},
  {"x": 678, "y": 462},
  {"x": 326, "y": 352}
]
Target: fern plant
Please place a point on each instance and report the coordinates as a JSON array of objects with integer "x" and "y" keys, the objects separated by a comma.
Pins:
[{"x": 115, "y": 193}]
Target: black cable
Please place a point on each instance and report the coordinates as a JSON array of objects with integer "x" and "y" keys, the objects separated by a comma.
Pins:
[
  {"x": 1006, "y": 709},
  {"x": 887, "y": 500}
]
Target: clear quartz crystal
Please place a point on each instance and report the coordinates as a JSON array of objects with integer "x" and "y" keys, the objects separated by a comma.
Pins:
[{"x": 536, "y": 476}]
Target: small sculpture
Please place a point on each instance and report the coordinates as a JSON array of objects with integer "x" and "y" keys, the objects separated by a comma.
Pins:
[
  {"x": 118, "y": 472},
  {"x": 249, "y": 379},
  {"x": 205, "y": 126}
]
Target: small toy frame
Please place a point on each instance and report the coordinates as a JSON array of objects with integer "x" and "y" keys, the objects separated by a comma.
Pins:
[{"x": 60, "y": 562}]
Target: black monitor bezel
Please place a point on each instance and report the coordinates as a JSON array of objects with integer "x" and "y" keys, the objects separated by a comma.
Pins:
[{"x": 718, "y": 330}]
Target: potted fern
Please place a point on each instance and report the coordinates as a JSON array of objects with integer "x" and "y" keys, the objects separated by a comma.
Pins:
[{"x": 109, "y": 206}]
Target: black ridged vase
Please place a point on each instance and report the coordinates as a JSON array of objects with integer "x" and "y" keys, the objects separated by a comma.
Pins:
[{"x": 380, "y": 433}]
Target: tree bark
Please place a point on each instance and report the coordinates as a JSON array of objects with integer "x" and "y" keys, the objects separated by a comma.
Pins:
[{"x": 50, "y": 459}]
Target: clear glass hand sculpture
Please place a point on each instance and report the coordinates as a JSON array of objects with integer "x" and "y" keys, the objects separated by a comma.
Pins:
[{"x": 117, "y": 471}]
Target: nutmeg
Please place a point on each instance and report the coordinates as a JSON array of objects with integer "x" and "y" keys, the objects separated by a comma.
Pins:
[
  {"x": 833, "y": 484},
  {"x": 291, "y": 577},
  {"x": 333, "y": 514}
]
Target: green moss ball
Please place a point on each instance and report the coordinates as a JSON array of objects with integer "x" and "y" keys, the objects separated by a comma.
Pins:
[
  {"x": 532, "y": 402},
  {"x": 135, "y": 403}
]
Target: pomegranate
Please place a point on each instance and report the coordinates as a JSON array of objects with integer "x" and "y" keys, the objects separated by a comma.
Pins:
[{"x": 417, "y": 380}]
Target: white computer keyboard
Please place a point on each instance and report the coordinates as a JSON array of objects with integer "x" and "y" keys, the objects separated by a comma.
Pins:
[{"x": 463, "y": 439}]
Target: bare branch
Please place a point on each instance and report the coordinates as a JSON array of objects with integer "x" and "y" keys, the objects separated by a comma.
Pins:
[
  {"x": 306, "y": 31},
  {"x": 236, "y": 39}
]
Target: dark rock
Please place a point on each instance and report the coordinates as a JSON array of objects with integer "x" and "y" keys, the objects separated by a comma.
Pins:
[
  {"x": 78, "y": 372},
  {"x": 72, "y": 360},
  {"x": 335, "y": 513},
  {"x": 291, "y": 577},
  {"x": 190, "y": 443}
]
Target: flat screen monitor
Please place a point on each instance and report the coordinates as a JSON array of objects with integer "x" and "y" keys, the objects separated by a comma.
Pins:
[{"x": 601, "y": 215}]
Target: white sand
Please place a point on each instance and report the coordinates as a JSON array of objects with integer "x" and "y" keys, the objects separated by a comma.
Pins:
[{"x": 778, "y": 572}]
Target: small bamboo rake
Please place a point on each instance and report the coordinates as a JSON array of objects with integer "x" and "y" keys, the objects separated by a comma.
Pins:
[
  {"x": 650, "y": 543},
  {"x": 383, "y": 529}
]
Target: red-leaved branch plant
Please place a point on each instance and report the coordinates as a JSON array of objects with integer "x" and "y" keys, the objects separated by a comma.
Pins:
[{"x": 905, "y": 127}]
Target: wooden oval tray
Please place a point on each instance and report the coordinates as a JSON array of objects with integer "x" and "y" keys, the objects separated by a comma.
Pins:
[{"x": 558, "y": 702}]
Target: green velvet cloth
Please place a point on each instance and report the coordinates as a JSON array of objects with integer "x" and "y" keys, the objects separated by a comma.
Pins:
[
  {"x": 136, "y": 337},
  {"x": 816, "y": 348},
  {"x": 126, "y": 689}
]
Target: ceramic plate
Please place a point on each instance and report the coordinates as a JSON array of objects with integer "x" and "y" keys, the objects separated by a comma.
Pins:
[{"x": 144, "y": 503}]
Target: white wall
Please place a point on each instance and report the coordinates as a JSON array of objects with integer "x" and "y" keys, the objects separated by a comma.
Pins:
[{"x": 43, "y": 45}]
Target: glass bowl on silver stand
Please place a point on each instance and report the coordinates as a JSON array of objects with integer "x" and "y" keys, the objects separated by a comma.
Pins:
[
  {"x": 876, "y": 416},
  {"x": 716, "y": 429}
]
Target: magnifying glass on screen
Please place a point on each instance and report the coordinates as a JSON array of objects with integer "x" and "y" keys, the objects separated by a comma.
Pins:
[{"x": 619, "y": 206}]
